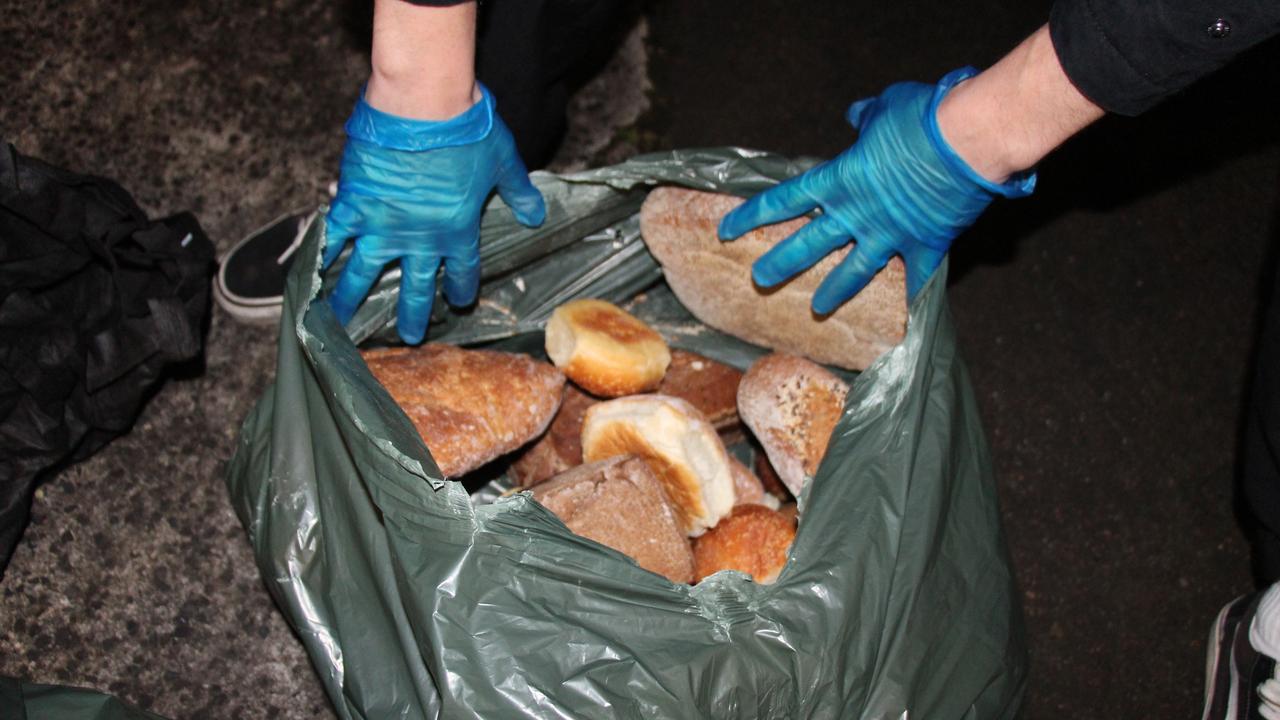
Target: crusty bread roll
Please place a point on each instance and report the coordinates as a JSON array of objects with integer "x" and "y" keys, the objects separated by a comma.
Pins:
[
  {"x": 710, "y": 386},
  {"x": 470, "y": 406},
  {"x": 713, "y": 280},
  {"x": 747, "y": 489},
  {"x": 790, "y": 511},
  {"x": 604, "y": 349},
  {"x": 560, "y": 447},
  {"x": 753, "y": 539},
  {"x": 619, "y": 503},
  {"x": 769, "y": 477},
  {"x": 792, "y": 405},
  {"x": 681, "y": 448}
]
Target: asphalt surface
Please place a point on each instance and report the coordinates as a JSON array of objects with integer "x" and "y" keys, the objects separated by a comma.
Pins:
[{"x": 1107, "y": 322}]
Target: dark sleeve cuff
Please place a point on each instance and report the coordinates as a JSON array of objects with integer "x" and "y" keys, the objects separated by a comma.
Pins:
[{"x": 1128, "y": 55}]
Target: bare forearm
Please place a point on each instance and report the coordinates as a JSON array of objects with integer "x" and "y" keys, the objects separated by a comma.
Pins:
[
  {"x": 1017, "y": 111},
  {"x": 423, "y": 60}
]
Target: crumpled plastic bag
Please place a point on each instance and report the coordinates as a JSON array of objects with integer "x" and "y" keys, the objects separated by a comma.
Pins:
[
  {"x": 96, "y": 302},
  {"x": 415, "y": 598},
  {"x": 33, "y": 701}
]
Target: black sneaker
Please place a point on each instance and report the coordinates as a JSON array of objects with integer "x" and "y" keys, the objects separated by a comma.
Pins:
[
  {"x": 250, "y": 280},
  {"x": 1239, "y": 678}
]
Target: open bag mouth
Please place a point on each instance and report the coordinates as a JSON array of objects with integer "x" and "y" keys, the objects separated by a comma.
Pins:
[{"x": 414, "y": 592}]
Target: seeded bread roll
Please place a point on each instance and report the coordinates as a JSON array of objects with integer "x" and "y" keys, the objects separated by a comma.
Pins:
[
  {"x": 710, "y": 386},
  {"x": 752, "y": 539},
  {"x": 791, "y": 405},
  {"x": 470, "y": 406},
  {"x": 560, "y": 448},
  {"x": 713, "y": 280},
  {"x": 619, "y": 503},
  {"x": 681, "y": 448},
  {"x": 604, "y": 349}
]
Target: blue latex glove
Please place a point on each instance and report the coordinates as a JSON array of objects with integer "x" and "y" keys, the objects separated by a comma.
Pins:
[
  {"x": 900, "y": 189},
  {"x": 413, "y": 191}
]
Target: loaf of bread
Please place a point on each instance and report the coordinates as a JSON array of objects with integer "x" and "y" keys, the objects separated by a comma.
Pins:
[
  {"x": 747, "y": 489},
  {"x": 619, "y": 503},
  {"x": 791, "y": 405},
  {"x": 470, "y": 406},
  {"x": 708, "y": 385},
  {"x": 752, "y": 539},
  {"x": 681, "y": 448},
  {"x": 604, "y": 349},
  {"x": 713, "y": 280},
  {"x": 560, "y": 447}
]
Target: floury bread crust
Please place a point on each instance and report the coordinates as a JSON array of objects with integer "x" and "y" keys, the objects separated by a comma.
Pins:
[
  {"x": 619, "y": 503},
  {"x": 560, "y": 448},
  {"x": 469, "y": 406},
  {"x": 681, "y": 448},
  {"x": 708, "y": 385},
  {"x": 791, "y": 405},
  {"x": 604, "y": 349},
  {"x": 713, "y": 280},
  {"x": 747, "y": 489}
]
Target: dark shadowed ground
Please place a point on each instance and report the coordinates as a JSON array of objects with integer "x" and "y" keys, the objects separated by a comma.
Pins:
[{"x": 1107, "y": 320}]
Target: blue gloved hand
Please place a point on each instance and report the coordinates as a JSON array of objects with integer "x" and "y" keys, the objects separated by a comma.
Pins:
[
  {"x": 900, "y": 189},
  {"x": 412, "y": 191}
]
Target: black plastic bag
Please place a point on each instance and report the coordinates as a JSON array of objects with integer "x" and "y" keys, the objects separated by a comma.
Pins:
[
  {"x": 96, "y": 301},
  {"x": 32, "y": 701}
]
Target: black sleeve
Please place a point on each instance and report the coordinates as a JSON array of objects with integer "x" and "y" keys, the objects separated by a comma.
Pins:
[{"x": 1128, "y": 55}]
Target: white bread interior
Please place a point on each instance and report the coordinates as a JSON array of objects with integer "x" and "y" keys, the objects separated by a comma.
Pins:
[{"x": 680, "y": 447}]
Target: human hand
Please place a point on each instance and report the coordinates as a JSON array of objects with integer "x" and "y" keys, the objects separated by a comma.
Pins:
[
  {"x": 900, "y": 189},
  {"x": 413, "y": 191}
]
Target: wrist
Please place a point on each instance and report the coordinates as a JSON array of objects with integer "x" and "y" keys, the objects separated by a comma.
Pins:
[
  {"x": 976, "y": 139},
  {"x": 1006, "y": 119},
  {"x": 999, "y": 175},
  {"x": 398, "y": 132},
  {"x": 423, "y": 60},
  {"x": 410, "y": 95}
]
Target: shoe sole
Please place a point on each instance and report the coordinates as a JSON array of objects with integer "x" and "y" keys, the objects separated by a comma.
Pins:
[
  {"x": 1214, "y": 667},
  {"x": 264, "y": 314}
]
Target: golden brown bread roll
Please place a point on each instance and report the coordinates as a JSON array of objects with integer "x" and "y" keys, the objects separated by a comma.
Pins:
[
  {"x": 619, "y": 503},
  {"x": 560, "y": 447},
  {"x": 681, "y": 448},
  {"x": 713, "y": 280},
  {"x": 791, "y": 405},
  {"x": 752, "y": 539},
  {"x": 469, "y": 406},
  {"x": 604, "y": 349}
]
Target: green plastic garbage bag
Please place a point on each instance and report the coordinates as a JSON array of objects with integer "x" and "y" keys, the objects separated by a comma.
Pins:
[{"x": 416, "y": 599}]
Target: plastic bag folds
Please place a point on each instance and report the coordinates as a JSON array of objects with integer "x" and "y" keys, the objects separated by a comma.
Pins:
[{"x": 415, "y": 599}]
